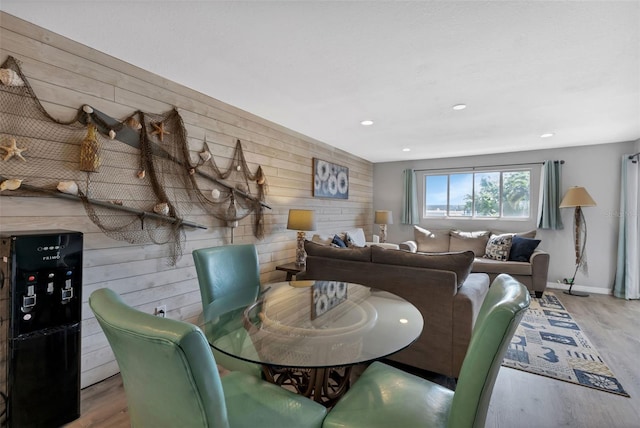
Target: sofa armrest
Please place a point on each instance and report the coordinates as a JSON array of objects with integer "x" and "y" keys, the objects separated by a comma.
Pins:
[
  {"x": 411, "y": 246},
  {"x": 466, "y": 306},
  {"x": 539, "y": 270}
]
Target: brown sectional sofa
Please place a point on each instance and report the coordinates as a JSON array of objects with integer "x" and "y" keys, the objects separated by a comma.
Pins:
[
  {"x": 440, "y": 286},
  {"x": 532, "y": 272}
]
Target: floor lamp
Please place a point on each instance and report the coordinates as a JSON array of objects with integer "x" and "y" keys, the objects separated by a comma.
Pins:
[
  {"x": 301, "y": 220},
  {"x": 578, "y": 197},
  {"x": 383, "y": 218}
]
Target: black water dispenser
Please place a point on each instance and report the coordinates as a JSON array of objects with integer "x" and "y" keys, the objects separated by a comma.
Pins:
[{"x": 42, "y": 285}]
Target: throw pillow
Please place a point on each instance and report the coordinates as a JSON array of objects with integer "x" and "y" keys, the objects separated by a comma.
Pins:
[
  {"x": 498, "y": 247},
  {"x": 349, "y": 241},
  {"x": 338, "y": 242},
  {"x": 522, "y": 248},
  {"x": 356, "y": 236},
  {"x": 431, "y": 241},
  {"x": 459, "y": 262}
]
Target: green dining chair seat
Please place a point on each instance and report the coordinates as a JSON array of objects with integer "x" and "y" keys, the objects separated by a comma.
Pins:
[
  {"x": 384, "y": 396},
  {"x": 171, "y": 378},
  {"x": 254, "y": 403},
  {"x": 229, "y": 278}
]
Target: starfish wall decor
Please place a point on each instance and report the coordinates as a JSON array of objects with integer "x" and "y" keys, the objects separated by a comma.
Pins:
[
  {"x": 158, "y": 129},
  {"x": 13, "y": 150}
]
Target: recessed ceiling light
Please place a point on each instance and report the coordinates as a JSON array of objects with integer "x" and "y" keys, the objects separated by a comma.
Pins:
[
  {"x": 406, "y": 149},
  {"x": 547, "y": 135},
  {"x": 366, "y": 123},
  {"x": 459, "y": 107}
]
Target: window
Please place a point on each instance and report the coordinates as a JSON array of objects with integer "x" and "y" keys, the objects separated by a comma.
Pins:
[{"x": 487, "y": 194}]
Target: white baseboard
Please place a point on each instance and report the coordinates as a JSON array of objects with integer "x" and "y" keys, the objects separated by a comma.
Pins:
[{"x": 578, "y": 287}]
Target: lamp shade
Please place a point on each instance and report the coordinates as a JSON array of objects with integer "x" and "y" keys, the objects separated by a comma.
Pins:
[
  {"x": 577, "y": 197},
  {"x": 383, "y": 217},
  {"x": 301, "y": 220}
]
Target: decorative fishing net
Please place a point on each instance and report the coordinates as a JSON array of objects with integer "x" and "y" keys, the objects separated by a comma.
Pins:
[{"x": 137, "y": 186}]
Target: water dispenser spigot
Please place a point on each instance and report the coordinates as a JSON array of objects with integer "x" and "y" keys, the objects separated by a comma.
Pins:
[{"x": 29, "y": 301}]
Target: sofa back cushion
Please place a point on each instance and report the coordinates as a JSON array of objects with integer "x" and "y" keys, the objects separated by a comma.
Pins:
[
  {"x": 355, "y": 254},
  {"x": 527, "y": 234},
  {"x": 431, "y": 241},
  {"x": 460, "y": 262},
  {"x": 473, "y": 241}
]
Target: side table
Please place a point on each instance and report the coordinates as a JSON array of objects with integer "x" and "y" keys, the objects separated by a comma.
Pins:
[{"x": 291, "y": 269}]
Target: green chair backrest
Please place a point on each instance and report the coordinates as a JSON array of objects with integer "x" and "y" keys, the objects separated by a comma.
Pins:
[
  {"x": 499, "y": 316},
  {"x": 169, "y": 374},
  {"x": 231, "y": 270}
]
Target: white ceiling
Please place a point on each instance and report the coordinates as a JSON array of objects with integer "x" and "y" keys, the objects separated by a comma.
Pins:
[{"x": 524, "y": 68}]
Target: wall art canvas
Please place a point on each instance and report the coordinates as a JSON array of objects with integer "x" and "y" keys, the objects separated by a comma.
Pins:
[
  {"x": 327, "y": 295},
  {"x": 330, "y": 180}
]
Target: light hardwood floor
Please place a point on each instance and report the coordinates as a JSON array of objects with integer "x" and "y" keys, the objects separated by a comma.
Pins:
[{"x": 519, "y": 399}]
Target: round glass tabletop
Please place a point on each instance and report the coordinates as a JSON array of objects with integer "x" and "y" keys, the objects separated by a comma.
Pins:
[{"x": 312, "y": 324}]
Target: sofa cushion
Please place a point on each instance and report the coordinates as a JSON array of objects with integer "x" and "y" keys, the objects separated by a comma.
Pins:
[
  {"x": 356, "y": 254},
  {"x": 474, "y": 241},
  {"x": 460, "y": 262},
  {"x": 431, "y": 241},
  {"x": 387, "y": 245},
  {"x": 355, "y": 237},
  {"x": 498, "y": 247},
  {"x": 485, "y": 265},
  {"x": 522, "y": 248},
  {"x": 527, "y": 234}
]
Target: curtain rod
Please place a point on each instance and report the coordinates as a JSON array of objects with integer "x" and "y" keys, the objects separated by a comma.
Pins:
[
  {"x": 488, "y": 166},
  {"x": 634, "y": 155}
]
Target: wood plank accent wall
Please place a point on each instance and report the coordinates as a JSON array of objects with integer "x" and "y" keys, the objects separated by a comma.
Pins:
[{"x": 66, "y": 75}]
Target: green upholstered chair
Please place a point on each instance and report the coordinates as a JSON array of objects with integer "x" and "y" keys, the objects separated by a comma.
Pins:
[
  {"x": 230, "y": 276},
  {"x": 171, "y": 379},
  {"x": 228, "y": 270},
  {"x": 385, "y": 396}
]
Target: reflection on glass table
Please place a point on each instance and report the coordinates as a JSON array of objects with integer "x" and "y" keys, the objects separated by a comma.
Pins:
[{"x": 308, "y": 334}]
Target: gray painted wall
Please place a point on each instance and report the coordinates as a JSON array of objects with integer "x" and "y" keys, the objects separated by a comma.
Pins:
[{"x": 597, "y": 168}]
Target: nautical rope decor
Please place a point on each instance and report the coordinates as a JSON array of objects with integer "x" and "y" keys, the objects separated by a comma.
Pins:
[{"x": 137, "y": 178}]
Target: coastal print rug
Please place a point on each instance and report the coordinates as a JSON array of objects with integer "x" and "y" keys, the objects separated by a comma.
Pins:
[{"x": 550, "y": 343}]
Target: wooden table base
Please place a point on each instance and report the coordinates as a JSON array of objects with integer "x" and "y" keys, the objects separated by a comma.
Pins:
[{"x": 324, "y": 385}]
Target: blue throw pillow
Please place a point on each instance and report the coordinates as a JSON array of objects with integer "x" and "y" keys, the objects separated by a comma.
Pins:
[
  {"x": 338, "y": 242},
  {"x": 522, "y": 248}
]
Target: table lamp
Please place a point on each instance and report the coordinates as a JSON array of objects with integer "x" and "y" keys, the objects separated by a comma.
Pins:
[
  {"x": 301, "y": 220},
  {"x": 383, "y": 218},
  {"x": 578, "y": 197}
]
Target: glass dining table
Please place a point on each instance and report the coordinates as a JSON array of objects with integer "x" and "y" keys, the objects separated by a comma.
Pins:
[{"x": 308, "y": 335}]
